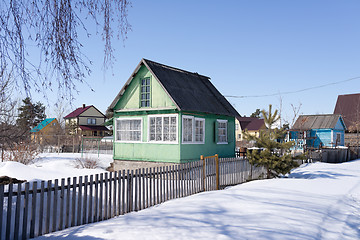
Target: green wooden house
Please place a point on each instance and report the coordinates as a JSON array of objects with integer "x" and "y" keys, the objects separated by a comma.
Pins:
[{"x": 165, "y": 114}]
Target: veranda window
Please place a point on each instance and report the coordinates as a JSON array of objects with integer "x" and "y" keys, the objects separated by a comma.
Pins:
[
  {"x": 193, "y": 130},
  {"x": 163, "y": 128},
  {"x": 128, "y": 130}
]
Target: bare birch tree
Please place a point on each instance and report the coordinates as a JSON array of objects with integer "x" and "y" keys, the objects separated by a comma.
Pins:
[{"x": 54, "y": 27}]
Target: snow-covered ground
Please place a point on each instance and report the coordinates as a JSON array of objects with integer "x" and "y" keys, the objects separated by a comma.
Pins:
[
  {"x": 316, "y": 201},
  {"x": 49, "y": 166}
]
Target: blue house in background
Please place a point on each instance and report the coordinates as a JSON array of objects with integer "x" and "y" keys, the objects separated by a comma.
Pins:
[{"x": 316, "y": 131}]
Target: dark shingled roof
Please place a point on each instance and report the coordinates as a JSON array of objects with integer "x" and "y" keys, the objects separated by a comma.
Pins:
[
  {"x": 189, "y": 91},
  {"x": 349, "y": 107},
  {"x": 308, "y": 122}
]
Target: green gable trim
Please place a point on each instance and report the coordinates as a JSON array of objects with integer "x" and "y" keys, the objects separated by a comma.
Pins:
[
  {"x": 146, "y": 112},
  {"x": 41, "y": 125}
]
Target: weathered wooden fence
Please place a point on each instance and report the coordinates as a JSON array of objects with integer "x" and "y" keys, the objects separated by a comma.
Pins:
[{"x": 33, "y": 209}]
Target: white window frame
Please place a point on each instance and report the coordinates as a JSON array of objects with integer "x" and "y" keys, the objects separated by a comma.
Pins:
[
  {"x": 162, "y": 128},
  {"x": 193, "y": 119},
  {"x": 226, "y": 131},
  {"x": 128, "y": 141}
]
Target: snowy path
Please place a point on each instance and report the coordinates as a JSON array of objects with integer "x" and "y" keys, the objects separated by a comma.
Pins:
[{"x": 317, "y": 201}]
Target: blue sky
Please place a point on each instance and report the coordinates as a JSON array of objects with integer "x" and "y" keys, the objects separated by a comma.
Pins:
[{"x": 247, "y": 48}]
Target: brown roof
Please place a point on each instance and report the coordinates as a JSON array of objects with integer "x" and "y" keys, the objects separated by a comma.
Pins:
[
  {"x": 349, "y": 107},
  {"x": 251, "y": 123},
  {"x": 323, "y": 121},
  {"x": 93, "y": 128},
  {"x": 80, "y": 110}
]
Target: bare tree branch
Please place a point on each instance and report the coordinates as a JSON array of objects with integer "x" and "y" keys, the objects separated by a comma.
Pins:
[{"x": 52, "y": 27}]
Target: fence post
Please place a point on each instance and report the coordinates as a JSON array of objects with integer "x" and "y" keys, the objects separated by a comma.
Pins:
[
  {"x": 204, "y": 172},
  {"x": 217, "y": 172}
]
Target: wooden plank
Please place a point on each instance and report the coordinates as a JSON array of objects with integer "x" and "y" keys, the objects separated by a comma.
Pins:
[
  {"x": 26, "y": 211},
  {"x": 106, "y": 181},
  {"x": 113, "y": 214},
  {"x": 173, "y": 191},
  {"x": 157, "y": 186},
  {"x": 119, "y": 194},
  {"x": 17, "y": 213},
  {"x": 85, "y": 201},
  {"x": 67, "y": 215},
  {"x": 48, "y": 206},
  {"x": 73, "y": 202},
  {"x": 41, "y": 208},
  {"x": 33, "y": 210},
  {"x": 150, "y": 187},
  {"x": 128, "y": 181},
  {"x": 55, "y": 216},
  {"x": 143, "y": 189},
  {"x": 91, "y": 207},
  {"x": 96, "y": 199},
  {"x": 123, "y": 193},
  {"x": 109, "y": 195},
  {"x": 101, "y": 197},
  {"x": 62, "y": 200},
  {"x": 1, "y": 209},
  {"x": 136, "y": 191},
  {"x": 167, "y": 183},
  {"x": 9, "y": 211},
  {"x": 79, "y": 202},
  {"x": 131, "y": 200},
  {"x": 147, "y": 186},
  {"x": 160, "y": 184}
]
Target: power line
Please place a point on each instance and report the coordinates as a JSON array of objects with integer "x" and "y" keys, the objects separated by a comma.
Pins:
[{"x": 297, "y": 91}]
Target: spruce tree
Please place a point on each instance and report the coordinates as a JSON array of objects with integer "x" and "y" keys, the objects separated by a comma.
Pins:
[
  {"x": 30, "y": 114},
  {"x": 274, "y": 152}
]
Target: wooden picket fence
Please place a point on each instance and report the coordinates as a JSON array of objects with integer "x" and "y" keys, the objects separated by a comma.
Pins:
[{"x": 33, "y": 209}]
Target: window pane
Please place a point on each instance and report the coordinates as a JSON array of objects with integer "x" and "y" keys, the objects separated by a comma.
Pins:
[
  {"x": 222, "y": 131},
  {"x": 187, "y": 130},
  {"x": 128, "y": 130}
]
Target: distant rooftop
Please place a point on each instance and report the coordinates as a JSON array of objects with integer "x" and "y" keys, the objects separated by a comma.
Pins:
[{"x": 41, "y": 125}]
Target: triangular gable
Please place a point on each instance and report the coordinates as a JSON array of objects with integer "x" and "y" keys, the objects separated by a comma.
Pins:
[
  {"x": 77, "y": 112},
  {"x": 92, "y": 107},
  {"x": 128, "y": 82},
  {"x": 340, "y": 125}
]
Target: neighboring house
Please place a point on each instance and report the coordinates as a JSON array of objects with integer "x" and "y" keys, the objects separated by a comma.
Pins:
[
  {"x": 316, "y": 131},
  {"x": 250, "y": 124},
  {"x": 46, "y": 131},
  {"x": 166, "y": 114},
  {"x": 349, "y": 107},
  {"x": 86, "y": 121}
]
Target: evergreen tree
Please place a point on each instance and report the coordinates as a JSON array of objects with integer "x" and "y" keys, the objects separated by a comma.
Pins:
[
  {"x": 256, "y": 114},
  {"x": 30, "y": 115},
  {"x": 274, "y": 152}
]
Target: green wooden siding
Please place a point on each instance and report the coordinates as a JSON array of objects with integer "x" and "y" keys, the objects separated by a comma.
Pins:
[{"x": 177, "y": 152}]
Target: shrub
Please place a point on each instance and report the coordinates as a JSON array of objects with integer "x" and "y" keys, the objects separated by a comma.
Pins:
[
  {"x": 23, "y": 152},
  {"x": 87, "y": 162}
]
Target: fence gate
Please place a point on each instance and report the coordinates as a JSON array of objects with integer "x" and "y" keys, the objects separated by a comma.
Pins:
[{"x": 211, "y": 172}]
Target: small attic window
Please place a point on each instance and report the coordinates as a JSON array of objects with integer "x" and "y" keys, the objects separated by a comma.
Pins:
[{"x": 145, "y": 92}]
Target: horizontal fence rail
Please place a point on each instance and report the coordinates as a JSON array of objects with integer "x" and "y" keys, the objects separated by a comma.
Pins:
[{"x": 33, "y": 209}]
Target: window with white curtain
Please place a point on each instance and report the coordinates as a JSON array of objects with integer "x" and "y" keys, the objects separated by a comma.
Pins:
[
  {"x": 193, "y": 130},
  {"x": 163, "y": 128},
  {"x": 128, "y": 130},
  {"x": 222, "y": 131}
]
